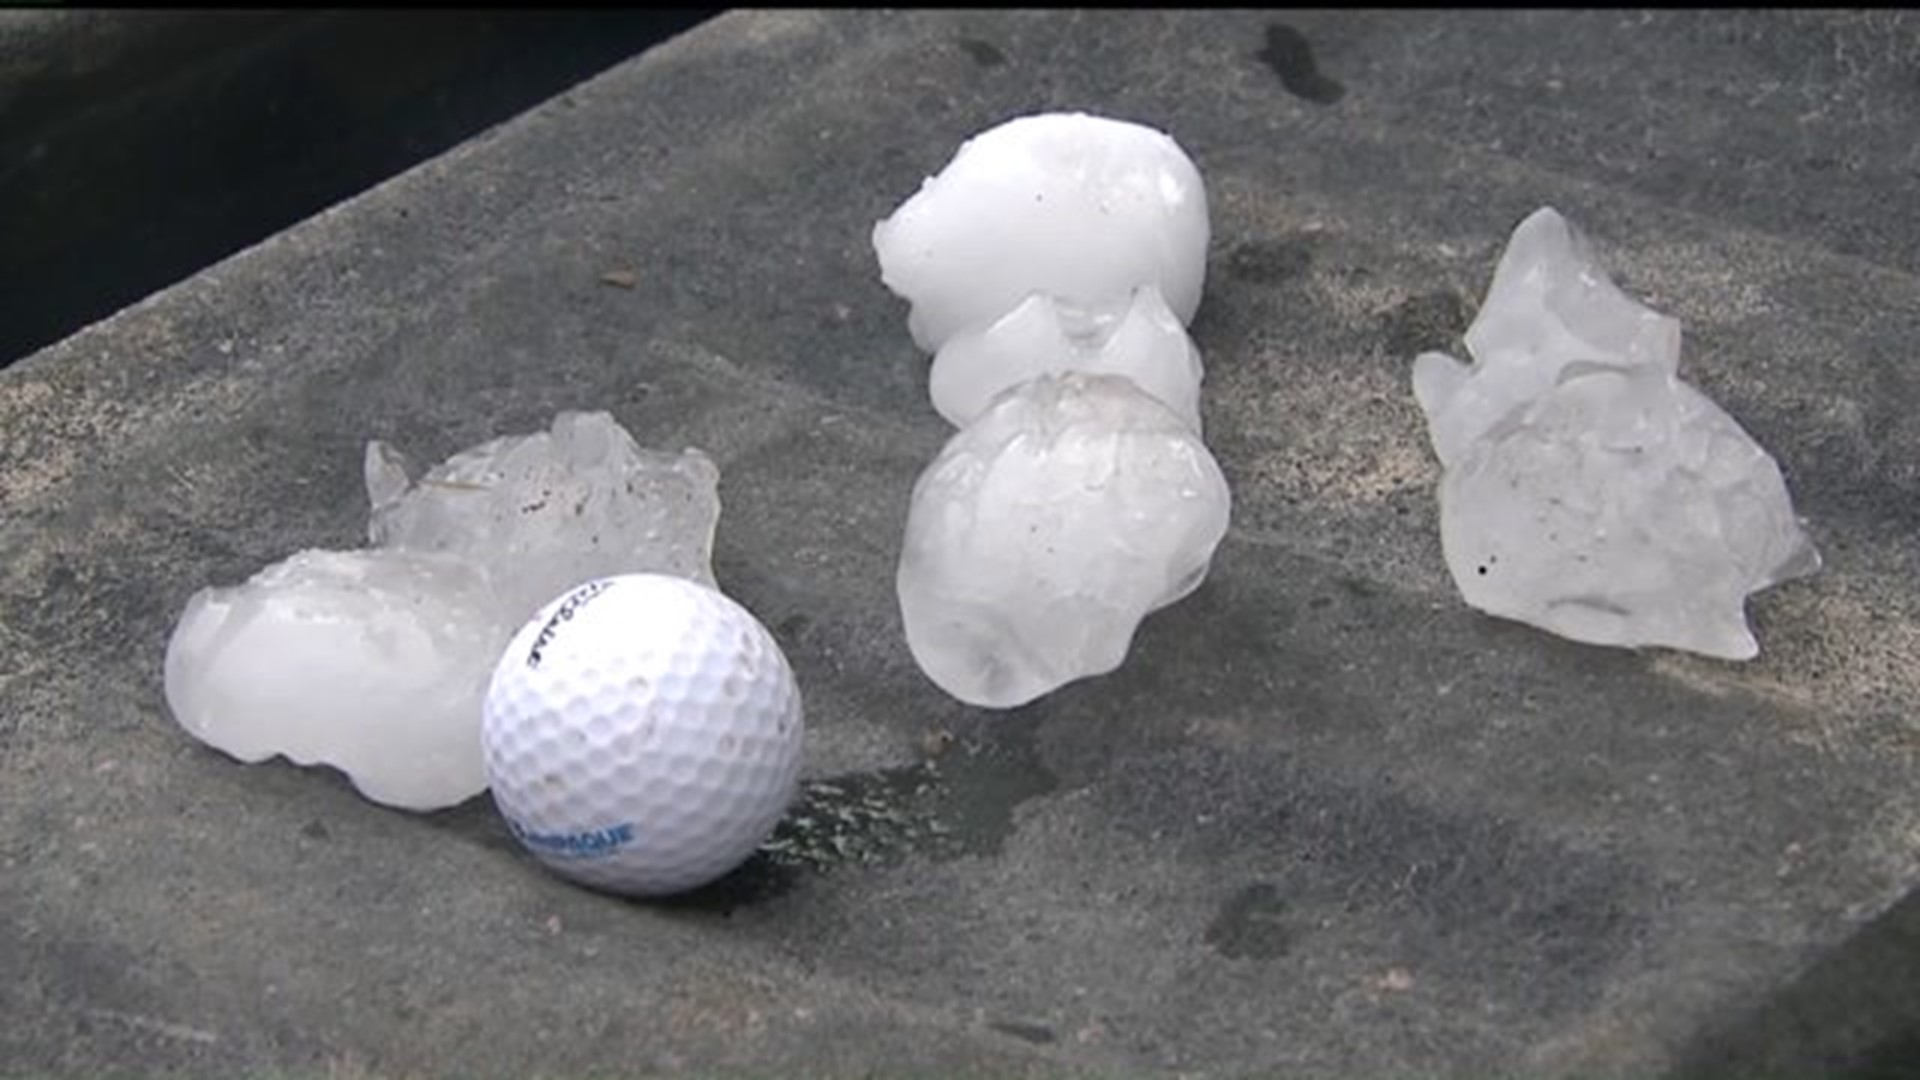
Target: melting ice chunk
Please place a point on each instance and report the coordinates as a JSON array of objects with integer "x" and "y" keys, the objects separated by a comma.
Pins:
[
  {"x": 544, "y": 512},
  {"x": 373, "y": 662},
  {"x": 1622, "y": 507},
  {"x": 1047, "y": 529},
  {"x": 1138, "y": 338},
  {"x": 1587, "y": 489},
  {"x": 376, "y": 661},
  {"x": 1078, "y": 207},
  {"x": 1550, "y": 305}
]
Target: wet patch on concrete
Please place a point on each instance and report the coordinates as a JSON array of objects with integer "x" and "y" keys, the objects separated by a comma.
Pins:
[
  {"x": 959, "y": 801},
  {"x": 1270, "y": 262},
  {"x": 863, "y": 818},
  {"x": 1253, "y": 924},
  {"x": 1037, "y": 1034},
  {"x": 987, "y": 778},
  {"x": 1429, "y": 321},
  {"x": 981, "y": 53},
  {"x": 1289, "y": 55},
  {"x": 1473, "y": 893}
]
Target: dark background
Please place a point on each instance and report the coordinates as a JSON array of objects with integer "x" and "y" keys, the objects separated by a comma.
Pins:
[{"x": 201, "y": 135}]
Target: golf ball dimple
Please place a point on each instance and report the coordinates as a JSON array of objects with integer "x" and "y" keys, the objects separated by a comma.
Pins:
[{"x": 642, "y": 734}]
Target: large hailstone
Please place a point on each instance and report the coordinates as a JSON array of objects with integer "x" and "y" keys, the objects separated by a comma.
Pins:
[
  {"x": 1047, "y": 529},
  {"x": 1550, "y": 305},
  {"x": 376, "y": 661},
  {"x": 544, "y": 512},
  {"x": 1587, "y": 489},
  {"x": 1137, "y": 337},
  {"x": 1080, "y": 208},
  {"x": 373, "y": 662}
]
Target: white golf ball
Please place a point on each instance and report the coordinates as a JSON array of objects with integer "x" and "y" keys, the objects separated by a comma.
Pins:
[{"x": 642, "y": 734}]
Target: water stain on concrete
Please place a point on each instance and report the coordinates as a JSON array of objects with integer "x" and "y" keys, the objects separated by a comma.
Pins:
[
  {"x": 1429, "y": 321},
  {"x": 1252, "y": 924},
  {"x": 1038, "y": 1034},
  {"x": 963, "y": 804},
  {"x": 1290, "y": 56},
  {"x": 1269, "y": 262},
  {"x": 981, "y": 53},
  {"x": 1493, "y": 896}
]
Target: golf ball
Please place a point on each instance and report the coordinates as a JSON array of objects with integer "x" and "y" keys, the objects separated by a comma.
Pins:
[{"x": 642, "y": 734}]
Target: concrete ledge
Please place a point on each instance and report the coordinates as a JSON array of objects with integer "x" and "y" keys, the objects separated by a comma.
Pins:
[{"x": 1326, "y": 821}]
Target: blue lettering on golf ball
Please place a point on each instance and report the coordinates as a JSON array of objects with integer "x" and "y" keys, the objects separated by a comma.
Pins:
[{"x": 589, "y": 844}]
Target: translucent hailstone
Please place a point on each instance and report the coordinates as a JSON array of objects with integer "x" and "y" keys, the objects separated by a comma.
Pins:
[
  {"x": 1587, "y": 489},
  {"x": 1550, "y": 305},
  {"x": 1047, "y": 529},
  {"x": 544, "y": 512},
  {"x": 1137, "y": 337},
  {"x": 1077, "y": 207},
  {"x": 376, "y": 661}
]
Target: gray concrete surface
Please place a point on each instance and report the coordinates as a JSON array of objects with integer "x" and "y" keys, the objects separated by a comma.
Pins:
[{"x": 1326, "y": 821}]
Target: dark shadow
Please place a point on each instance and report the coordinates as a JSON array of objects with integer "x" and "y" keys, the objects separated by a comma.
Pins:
[
  {"x": 185, "y": 150},
  {"x": 1853, "y": 1015}
]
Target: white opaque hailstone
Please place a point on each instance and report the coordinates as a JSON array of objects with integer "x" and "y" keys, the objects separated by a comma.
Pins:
[
  {"x": 376, "y": 661},
  {"x": 1137, "y": 337},
  {"x": 544, "y": 512},
  {"x": 1047, "y": 529},
  {"x": 1587, "y": 490},
  {"x": 1077, "y": 207},
  {"x": 373, "y": 662}
]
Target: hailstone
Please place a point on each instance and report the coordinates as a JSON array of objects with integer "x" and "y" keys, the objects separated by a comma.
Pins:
[
  {"x": 1588, "y": 490},
  {"x": 1047, "y": 529},
  {"x": 546, "y": 511},
  {"x": 373, "y": 662},
  {"x": 1081, "y": 208},
  {"x": 1138, "y": 337},
  {"x": 376, "y": 661}
]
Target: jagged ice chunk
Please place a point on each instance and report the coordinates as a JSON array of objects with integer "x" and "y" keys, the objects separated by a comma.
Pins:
[
  {"x": 1137, "y": 337},
  {"x": 1550, "y": 305},
  {"x": 544, "y": 512},
  {"x": 1587, "y": 490},
  {"x": 1081, "y": 208},
  {"x": 376, "y": 661},
  {"x": 1047, "y": 529}
]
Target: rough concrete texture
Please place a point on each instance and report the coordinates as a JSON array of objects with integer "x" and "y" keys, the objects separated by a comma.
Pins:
[{"x": 1326, "y": 821}]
